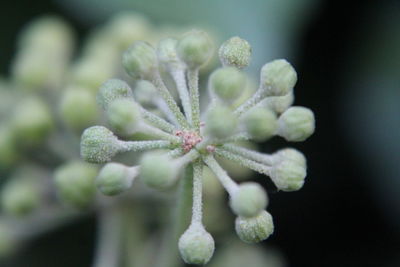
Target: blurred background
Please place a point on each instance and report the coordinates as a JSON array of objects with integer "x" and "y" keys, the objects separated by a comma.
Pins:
[{"x": 347, "y": 55}]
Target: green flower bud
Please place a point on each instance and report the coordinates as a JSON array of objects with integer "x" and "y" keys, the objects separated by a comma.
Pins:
[
  {"x": 115, "y": 178},
  {"x": 20, "y": 196},
  {"x": 78, "y": 108},
  {"x": 31, "y": 122},
  {"x": 296, "y": 124},
  {"x": 195, "y": 49},
  {"x": 196, "y": 245},
  {"x": 227, "y": 83},
  {"x": 261, "y": 123},
  {"x": 220, "y": 121},
  {"x": 289, "y": 173},
  {"x": 277, "y": 78},
  {"x": 158, "y": 170},
  {"x": 124, "y": 116},
  {"x": 99, "y": 144},
  {"x": 254, "y": 229},
  {"x": 235, "y": 52},
  {"x": 279, "y": 104},
  {"x": 145, "y": 93},
  {"x": 167, "y": 54},
  {"x": 140, "y": 60},
  {"x": 74, "y": 183},
  {"x": 249, "y": 200},
  {"x": 111, "y": 90}
]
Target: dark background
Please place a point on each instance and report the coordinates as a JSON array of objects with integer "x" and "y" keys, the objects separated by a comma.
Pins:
[{"x": 335, "y": 220}]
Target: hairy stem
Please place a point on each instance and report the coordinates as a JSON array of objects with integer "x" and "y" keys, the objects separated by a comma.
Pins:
[
  {"x": 193, "y": 79},
  {"x": 180, "y": 81},
  {"x": 197, "y": 213},
  {"x": 266, "y": 159},
  {"x": 226, "y": 181},
  {"x": 157, "y": 121}
]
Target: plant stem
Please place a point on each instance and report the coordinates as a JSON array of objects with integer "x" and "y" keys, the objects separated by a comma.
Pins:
[
  {"x": 179, "y": 77},
  {"x": 193, "y": 79},
  {"x": 197, "y": 212},
  {"x": 221, "y": 174}
]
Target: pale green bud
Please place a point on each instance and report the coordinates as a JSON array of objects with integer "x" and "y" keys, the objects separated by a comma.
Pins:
[
  {"x": 249, "y": 200},
  {"x": 235, "y": 52},
  {"x": 124, "y": 116},
  {"x": 115, "y": 178},
  {"x": 145, "y": 93},
  {"x": 195, "y": 49},
  {"x": 227, "y": 83},
  {"x": 140, "y": 60},
  {"x": 254, "y": 229},
  {"x": 31, "y": 122},
  {"x": 78, "y": 108},
  {"x": 279, "y": 103},
  {"x": 220, "y": 121},
  {"x": 158, "y": 170},
  {"x": 296, "y": 124},
  {"x": 111, "y": 90},
  {"x": 20, "y": 196},
  {"x": 277, "y": 78},
  {"x": 261, "y": 123},
  {"x": 99, "y": 144},
  {"x": 74, "y": 182},
  {"x": 167, "y": 54},
  {"x": 196, "y": 245},
  {"x": 288, "y": 175}
]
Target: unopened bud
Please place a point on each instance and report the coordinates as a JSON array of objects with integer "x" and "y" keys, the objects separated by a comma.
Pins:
[
  {"x": 115, "y": 178},
  {"x": 296, "y": 124},
  {"x": 254, "y": 229},
  {"x": 261, "y": 123},
  {"x": 277, "y": 78},
  {"x": 227, "y": 83},
  {"x": 249, "y": 200},
  {"x": 220, "y": 121},
  {"x": 195, "y": 49},
  {"x": 124, "y": 116},
  {"x": 140, "y": 60},
  {"x": 235, "y": 52},
  {"x": 111, "y": 90}
]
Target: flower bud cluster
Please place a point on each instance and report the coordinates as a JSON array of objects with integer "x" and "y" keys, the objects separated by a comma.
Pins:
[{"x": 180, "y": 135}]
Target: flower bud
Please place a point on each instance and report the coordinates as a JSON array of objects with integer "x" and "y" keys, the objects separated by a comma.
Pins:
[
  {"x": 249, "y": 200},
  {"x": 115, "y": 178},
  {"x": 279, "y": 104},
  {"x": 290, "y": 154},
  {"x": 195, "y": 49},
  {"x": 20, "y": 196},
  {"x": 124, "y": 116},
  {"x": 78, "y": 108},
  {"x": 235, "y": 52},
  {"x": 254, "y": 229},
  {"x": 261, "y": 123},
  {"x": 111, "y": 90},
  {"x": 74, "y": 182},
  {"x": 289, "y": 173},
  {"x": 158, "y": 170},
  {"x": 227, "y": 83},
  {"x": 140, "y": 60},
  {"x": 296, "y": 124},
  {"x": 196, "y": 245},
  {"x": 98, "y": 144},
  {"x": 220, "y": 121},
  {"x": 31, "y": 122},
  {"x": 277, "y": 78},
  {"x": 167, "y": 54}
]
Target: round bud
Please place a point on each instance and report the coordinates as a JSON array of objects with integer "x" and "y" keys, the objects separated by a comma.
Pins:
[
  {"x": 31, "y": 122},
  {"x": 254, "y": 229},
  {"x": 140, "y": 60},
  {"x": 74, "y": 182},
  {"x": 195, "y": 49},
  {"x": 158, "y": 170},
  {"x": 111, "y": 90},
  {"x": 227, "y": 83},
  {"x": 220, "y": 121},
  {"x": 296, "y": 124},
  {"x": 290, "y": 154},
  {"x": 98, "y": 144},
  {"x": 115, "y": 178},
  {"x": 277, "y": 78},
  {"x": 279, "y": 104},
  {"x": 78, "y": 108},
  {"x": 167, "y": 55},
  {"x": 145, "y": 93},
  {"x": 261, "y": 123},
  {"x": 249, "y": 200},
  {"x": 288, "y": 175},
  {"x": 196, "y": 245},
  {"x": 124, "y": 116},
  {"x": 235, "y": 52},
  {"x": 20, "y": 196}
]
